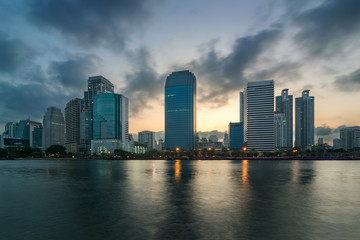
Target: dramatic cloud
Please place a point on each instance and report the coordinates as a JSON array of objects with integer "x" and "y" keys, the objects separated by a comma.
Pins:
[
  {"x": 328, "y": 28},
  {"x": 72, "y": 73},
  {"x": 143, "y": 84},
  {"x": 219, "y": 75},
  {"x": 328, "y": 133},
  {"x": 92, "y": 22},
  {"x": 349, "y": 83},
  {"x": 13, "y": 54}
]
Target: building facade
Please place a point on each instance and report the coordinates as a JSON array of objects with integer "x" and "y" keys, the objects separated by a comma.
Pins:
[
  {"x": 304, "y": 120},
  {"x": 280, "y": 131},
  {"x": 180, "y": 110},
  {"x": 284, "y": 104},
  {"x": 147, "y": 138},
  {"x": 96, "y": 85},
  {"x": 350, "y": 137},
  {"x": 72, "y": 125},
  {"x": 31, "y": 131},
  {"x": 53, "y": 128},
  {"x": 259, "y": 131},
  {"x": 236, "y": 136},
  {"x": 111, "y": 122}
]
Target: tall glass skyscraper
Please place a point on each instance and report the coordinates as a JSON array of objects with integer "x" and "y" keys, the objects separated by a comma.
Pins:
[
  {"x": 72, "y": 125},
  {"x": 96, "y": 85},
  {"x": 53, "y": 128},
  {"x": 259, "y": 131},
  {"x": 284, "y": 104},
  {"x": 111, "y": 117},
  {"x": 180, "y": 110},
  {"x": 304, "y": 120}
]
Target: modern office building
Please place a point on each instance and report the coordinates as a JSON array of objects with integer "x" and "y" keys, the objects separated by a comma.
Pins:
[
  {"x": 241, "y": 107},
  {"x": 304, "y": 120},
  {"x": 284, "y": 104},
  {"x": 96, "y": 85},
  {"x": 53, "y": 128},
  {"x": 350, "y": 137},
  {"x": 336, "y": 143},
  {"x": 72, "y": 125},
  {"x": 110, "y": 123},
  {"x": 31, "y": 131},
  {"x": 280, "y": 131},
  {"x": 236, "y": 136},
  {"x": 148, "y": 139},
  {"x": 180, "y": 110},
  {"x": 10, "y": 130},
  {"x": 259, "y": 131}
]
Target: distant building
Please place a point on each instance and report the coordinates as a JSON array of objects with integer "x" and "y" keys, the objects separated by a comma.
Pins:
[
  {"x": 320, "y": 141},
  {"x": 213, "y": 138},
  {"x": 284, "y": 104},
  {"x": 161, "y": 145},
  {"x": 10, "y": 130},
  {"x": 226, "y": 140},
  {"x": 180, "y": 110},
  {"x": 147, "y": 138},
  {"x": 110, "y": 123},
  {"x": 53, "y": 128},
  {"x": 280, "y": 131},
  {"x": 31, "y": 131},
  {"x": 72, "y": 125},
  {"x": 96, "y": 85},
  {"x": 304, "y": 120},
  {"x": 259, "y": 131},
  {"x": 350, "y": 137},
  {"x": 236, "y": 136},
  {"x": 336, "y": 143}
]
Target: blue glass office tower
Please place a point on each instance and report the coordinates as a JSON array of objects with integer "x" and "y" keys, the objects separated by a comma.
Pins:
[
  {"x": 111, "y": 118},
  {"x": 180, "y": 110},
  {"x": 236, "y": 133}
]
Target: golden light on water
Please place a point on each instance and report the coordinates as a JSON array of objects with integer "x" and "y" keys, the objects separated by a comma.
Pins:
[
  {"x": 245, "y": 176},
  {"x": 177, "y": 171}
]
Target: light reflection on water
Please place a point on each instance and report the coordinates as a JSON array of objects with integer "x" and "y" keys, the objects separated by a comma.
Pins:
[{"x": 179, "y": 199}]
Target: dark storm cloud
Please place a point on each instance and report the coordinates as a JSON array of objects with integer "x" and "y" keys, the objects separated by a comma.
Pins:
[
  {"x": 92, "y": 22},
  {"x": 281, "y": 70},
  {"x": 72, "y": 73},
  {"x": 225, "y": 74},
  {"x": 349, "y": 83},
  {"x": 13, "y": 54},
  {"x": 328, "y": 28},
  {"x": 143, "y": 84}
]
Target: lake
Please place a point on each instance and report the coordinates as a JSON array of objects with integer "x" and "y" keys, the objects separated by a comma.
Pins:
[{"x": 159, "y": 199}]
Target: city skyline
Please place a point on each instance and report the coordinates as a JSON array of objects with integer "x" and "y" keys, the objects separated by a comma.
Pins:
[{"x": 48, "y": 60}]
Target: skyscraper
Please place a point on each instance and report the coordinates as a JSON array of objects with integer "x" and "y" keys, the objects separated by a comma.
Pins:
[
  {"x": 147, "y": 138},
  {"x": 96, "y": 85},
  {"x": 53, "y": 128},
  {"x": 304, "y": 120},
  {"x": 236, "y": 136},
  {"x": 284, "y": 104},
  {"x": 259, "y": 116},
  {"x": 111, "y": 123},
  {"x": 280, "y": 131},
  {"x": 180, "y": 110},
  {"x": 72, "y": 125},
  {"x": 241, "y": 107},
  {"x": 350, "y": 137}
]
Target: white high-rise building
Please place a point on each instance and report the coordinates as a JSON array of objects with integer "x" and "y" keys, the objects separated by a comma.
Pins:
[
  {"x": 350, "y": 137},
  {"x": 148, "y": 138},
  {"x": 259, "y": 131},
  {"x": 304, "y": 120}
]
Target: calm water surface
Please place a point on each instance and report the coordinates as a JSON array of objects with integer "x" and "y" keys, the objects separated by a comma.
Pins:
[{"x": 98, "y": 199}]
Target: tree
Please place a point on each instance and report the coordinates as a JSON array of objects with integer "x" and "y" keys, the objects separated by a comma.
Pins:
[{"x": 56, "y": 149}]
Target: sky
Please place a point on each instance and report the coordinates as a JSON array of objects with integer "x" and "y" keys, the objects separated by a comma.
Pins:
[{"x": 48, "y": 49}]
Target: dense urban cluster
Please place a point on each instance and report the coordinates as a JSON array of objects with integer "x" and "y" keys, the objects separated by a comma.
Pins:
[{"x": 98, "y": 123}]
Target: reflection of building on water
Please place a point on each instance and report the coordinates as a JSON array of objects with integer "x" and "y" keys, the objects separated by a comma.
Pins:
[
  {"x": 177, "y": 171},
  {"x": 245, "y": 175}
]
